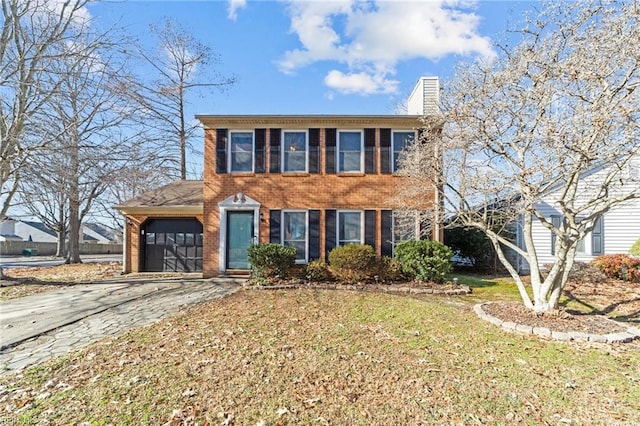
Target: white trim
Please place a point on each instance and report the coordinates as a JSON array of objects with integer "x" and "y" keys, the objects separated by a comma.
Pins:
[
  {"x": 338, "y": 170},
  {"x": 306, "y": 150},
  {"x": 253, "y": 150},
  {"x": 362, "y": 230},
  {"x": 237, "y": 202},
  {"x": 393, "y": 148},
  {"x": 306, "y": 231}
]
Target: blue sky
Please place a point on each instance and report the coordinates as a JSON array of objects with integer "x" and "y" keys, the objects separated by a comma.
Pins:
[{"x": 324, "y": 57}]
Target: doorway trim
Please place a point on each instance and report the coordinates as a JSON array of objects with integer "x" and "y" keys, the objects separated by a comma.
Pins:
[{"x": 237, "y": 202}]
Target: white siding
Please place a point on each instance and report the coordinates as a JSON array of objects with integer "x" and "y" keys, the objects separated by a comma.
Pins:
[{"x": 424, "y": 97}]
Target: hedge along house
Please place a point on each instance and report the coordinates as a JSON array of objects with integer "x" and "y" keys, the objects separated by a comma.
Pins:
[{"x": 311, "y": 181}]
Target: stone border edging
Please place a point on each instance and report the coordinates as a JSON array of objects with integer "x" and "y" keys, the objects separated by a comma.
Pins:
[
  {"x": 619, "y": 337},
  {"x": 463, "y": 290}
]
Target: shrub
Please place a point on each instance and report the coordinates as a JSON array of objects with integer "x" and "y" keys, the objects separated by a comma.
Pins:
[
  {"x": 317, "y": 270},
  {"x": 271, "y": 260},
  {"x": 620, "y": 266},
  {"x": 353, "y": 262},
  {"x": 424, "y": 260},
  {"x": 635, "y": 249},
  {"x": 387, "y": 269}
]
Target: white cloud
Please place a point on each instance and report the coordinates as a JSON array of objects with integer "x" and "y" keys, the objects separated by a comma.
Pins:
[
  {"x": 359, "y": 83},
  {"x": 234, "y": 6},
  {"x": 371, "y": 38}
]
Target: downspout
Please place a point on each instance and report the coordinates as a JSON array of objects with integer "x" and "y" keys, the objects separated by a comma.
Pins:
[{"x": 124, "y": 245}]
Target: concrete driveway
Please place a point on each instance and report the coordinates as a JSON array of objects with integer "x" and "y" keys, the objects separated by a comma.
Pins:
[{"x": 38, "y": 327}]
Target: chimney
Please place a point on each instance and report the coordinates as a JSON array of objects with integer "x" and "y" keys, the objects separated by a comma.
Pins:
[{"x": 424, "y": 97}]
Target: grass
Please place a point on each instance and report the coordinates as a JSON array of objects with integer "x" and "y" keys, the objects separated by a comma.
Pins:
[{"x": 330, "y": 357}]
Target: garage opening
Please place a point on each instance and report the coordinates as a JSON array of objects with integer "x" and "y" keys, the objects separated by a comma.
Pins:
[{"x": 172, "y": 245}]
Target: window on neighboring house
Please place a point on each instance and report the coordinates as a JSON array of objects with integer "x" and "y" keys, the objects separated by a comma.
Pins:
[
  {"x": 350, "y": 151},
  {"x": 401, "y": 140},
  {"x": 241, "y": 152},
  {"x": 294, "y": 151},
  {"x": 349, "y": 227},
  {"x": 294, "y": 233},
  {"x": 556, "y": 221}
]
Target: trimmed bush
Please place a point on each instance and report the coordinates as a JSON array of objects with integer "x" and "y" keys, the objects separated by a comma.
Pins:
[
  {"x": 388, "y": 270},
  {"x": 317, "y": 270},
  {"x": 424, "y": 260},
  {"x": 352, "y": 263},
  {"x": 620, "y": 266},
  {"x": 271, "y": 260},
  {"x": 635, "y": 249}
]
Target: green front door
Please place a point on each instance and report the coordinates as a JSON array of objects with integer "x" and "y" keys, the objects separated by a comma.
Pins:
[{"x": 239, "y": 238}]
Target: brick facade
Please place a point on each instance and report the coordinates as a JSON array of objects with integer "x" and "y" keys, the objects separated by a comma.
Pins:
[{"x": 278, "y": 191}]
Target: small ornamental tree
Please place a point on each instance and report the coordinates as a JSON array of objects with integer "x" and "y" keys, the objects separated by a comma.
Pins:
[{"x": 635, "y": 249}]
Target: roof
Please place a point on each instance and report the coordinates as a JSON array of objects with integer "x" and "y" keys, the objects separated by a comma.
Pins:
[
  {"x": 101, "y": 230},
  {"x": 40, "y": 227},
  {"x": 318, "y": 120},
  {"x": 179, "y": 197}
]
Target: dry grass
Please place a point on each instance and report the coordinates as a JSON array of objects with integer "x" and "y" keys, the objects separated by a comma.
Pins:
[
  {"x": 329, "y": 357},
  {"x": 25, "y": 281}
]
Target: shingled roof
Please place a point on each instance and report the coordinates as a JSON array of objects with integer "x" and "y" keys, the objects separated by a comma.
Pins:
[{"x": 182, "y": 196}]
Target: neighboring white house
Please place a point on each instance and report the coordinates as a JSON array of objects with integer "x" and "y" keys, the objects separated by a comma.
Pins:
[{"x": 615, "y": 232}]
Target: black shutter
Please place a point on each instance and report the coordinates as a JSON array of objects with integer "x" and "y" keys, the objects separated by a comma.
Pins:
[
  {"x": 597, "y": 237},
  {"x": 330, "y": 150},
  {"x": 221, "y": 151},
  {"x": 369, "y": 150},
  {"x": 329, "y": 231},
  {"x": 274, "y": 151},
  {"x": 386, "y": 234},
  {"x": 385, "y": 151},
  {"x": 370, "y": 228},
  {"x": 259, "y": 154},
  {"x": 314, "y": 150},
  {"x": 555, "y": 221},
  {"x": 314, "y": 234},
  {"x": 274, "y": 226}
]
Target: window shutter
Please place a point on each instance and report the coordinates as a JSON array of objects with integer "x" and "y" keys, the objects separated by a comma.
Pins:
[
  {"x": 387, "y": 233},
  {"x": 221, "y": 151},
  {"x": 274, "y": 226},
  {"x": 314, "y": 150},
  {"x": 274, "y": 151},
  {"x": 369, "y": 150},
  {"x": 370, "y": 228},
  {"x": 259, "y": 154},
  {"x": 555, "y": 221},
  {"x": 330, "y": 150},
  {"x": 597, "y": 237},
  {"x": 314, "y": 234},
  {"x": 329, "y": 231},
  {"x": 385, "y": 151}
]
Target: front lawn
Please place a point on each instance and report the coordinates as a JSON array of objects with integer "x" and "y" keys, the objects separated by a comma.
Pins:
[{"x": 329, "y": 357}]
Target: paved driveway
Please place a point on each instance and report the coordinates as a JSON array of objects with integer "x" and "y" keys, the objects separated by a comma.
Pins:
[{"x": 39, "y": 327}]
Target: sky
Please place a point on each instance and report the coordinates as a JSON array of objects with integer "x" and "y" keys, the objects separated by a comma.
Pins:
[{"x": 323, "y": 57}]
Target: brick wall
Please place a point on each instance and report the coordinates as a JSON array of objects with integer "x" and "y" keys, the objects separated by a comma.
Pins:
[{"x": 292, "y": 191}]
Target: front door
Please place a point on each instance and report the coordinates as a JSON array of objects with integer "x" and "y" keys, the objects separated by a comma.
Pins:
[{"x": 239, "y": 238}]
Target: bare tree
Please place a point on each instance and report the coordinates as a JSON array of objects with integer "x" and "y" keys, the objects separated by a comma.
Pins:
[
  {"x": 31, "y": 33},
  {"x": 182, "y": 64},
  {"x": 558, "y": 113}
]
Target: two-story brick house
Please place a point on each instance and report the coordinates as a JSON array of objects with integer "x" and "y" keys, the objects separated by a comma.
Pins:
[{"x": 310, "y": 181}]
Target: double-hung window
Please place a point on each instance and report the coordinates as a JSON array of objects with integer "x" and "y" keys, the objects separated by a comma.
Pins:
[
  {"x": 294, "y": 233},
  {"x": 294, "y": 151},
  {"x": 350, "y": 158},
  {"x": 406, "y": 226},
  {"x": 241, "y": 151},
  {"x": 401, "y": 139},
  {"x": 349, "y": 227}
]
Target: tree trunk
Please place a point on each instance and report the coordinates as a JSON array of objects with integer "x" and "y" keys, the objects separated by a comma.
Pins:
[{"x": 73, "y": 252}]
